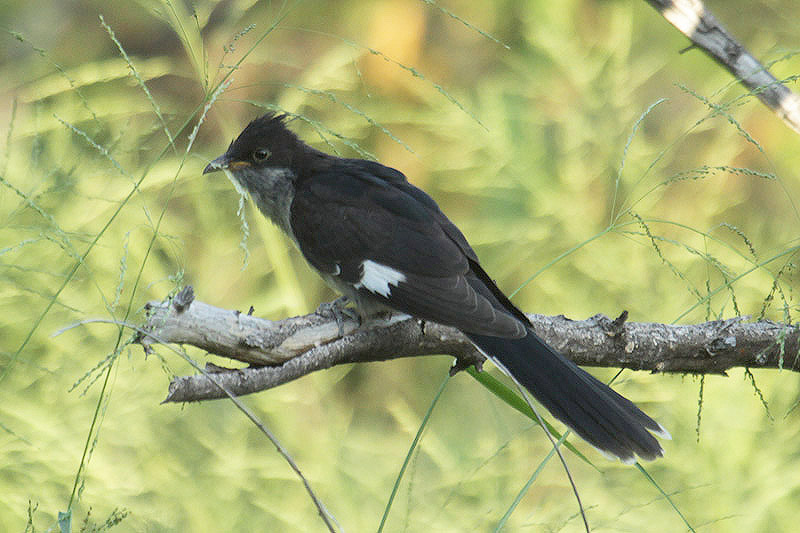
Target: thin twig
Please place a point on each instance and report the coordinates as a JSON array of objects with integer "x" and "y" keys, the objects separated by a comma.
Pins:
[
  {"x": 707, "y": 33},
  {"x": 326, "y": 516}
]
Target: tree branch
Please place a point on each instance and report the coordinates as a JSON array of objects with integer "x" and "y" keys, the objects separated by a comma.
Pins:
[
  {"x": 705, "y": 31},
  {"x": 288, "y": 349}
]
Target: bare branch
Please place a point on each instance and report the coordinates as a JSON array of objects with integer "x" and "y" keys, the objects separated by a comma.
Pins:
[
  {"x": 705, "y": 31},
  {"x": 300, "y": 345}
]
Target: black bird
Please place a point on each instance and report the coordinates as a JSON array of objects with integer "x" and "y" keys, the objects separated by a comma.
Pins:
[{"x": 385, "y": 245}]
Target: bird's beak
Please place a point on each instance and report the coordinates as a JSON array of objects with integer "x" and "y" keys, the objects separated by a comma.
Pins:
[{"x": 219, "y": 163}]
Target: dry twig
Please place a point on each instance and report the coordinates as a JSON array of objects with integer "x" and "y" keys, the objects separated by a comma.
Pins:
[{"x": 707, "y": 33}]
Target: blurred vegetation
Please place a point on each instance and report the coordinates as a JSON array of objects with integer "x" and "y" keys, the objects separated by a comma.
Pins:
[{"x": 593, "y": 167}]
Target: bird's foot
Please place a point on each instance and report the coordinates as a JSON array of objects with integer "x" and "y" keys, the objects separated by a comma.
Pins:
[
  {"x": 339, "y": 311},
  {"x": 463, "y": 362}
]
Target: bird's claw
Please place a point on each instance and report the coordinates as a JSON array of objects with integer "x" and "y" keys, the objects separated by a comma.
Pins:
[
  {"x": 339, "y": 311},
  {"x": 463, "y": 362}
]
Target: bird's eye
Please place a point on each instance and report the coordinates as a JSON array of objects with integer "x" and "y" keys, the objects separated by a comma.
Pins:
[{"x": 261, "y": 154}]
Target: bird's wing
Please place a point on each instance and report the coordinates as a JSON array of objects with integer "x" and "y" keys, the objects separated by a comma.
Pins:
[{"x": 389, "y": 240}]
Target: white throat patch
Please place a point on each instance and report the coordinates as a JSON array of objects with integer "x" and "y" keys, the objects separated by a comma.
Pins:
[{"x": 376, "y": 278}]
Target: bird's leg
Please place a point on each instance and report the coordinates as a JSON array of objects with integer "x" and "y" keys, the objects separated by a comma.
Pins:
[{"x": 339, "y": 311}]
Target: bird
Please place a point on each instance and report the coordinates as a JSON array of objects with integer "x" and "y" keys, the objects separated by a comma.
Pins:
[{"x": 387, "y": 247}]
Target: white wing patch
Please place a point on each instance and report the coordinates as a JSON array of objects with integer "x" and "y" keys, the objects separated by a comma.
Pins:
[{"x": 376, "y": 278}]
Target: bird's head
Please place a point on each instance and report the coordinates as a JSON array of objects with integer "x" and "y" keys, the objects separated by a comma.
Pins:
[
  {"x": 264, "y": 161},
  {"x": 266, "y": 143}
]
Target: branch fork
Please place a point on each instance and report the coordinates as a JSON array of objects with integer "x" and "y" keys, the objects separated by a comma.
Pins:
[{"x": 281, "y": 351}]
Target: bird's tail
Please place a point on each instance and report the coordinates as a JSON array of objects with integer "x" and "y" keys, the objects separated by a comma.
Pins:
[{"x": 604, "y": 418}]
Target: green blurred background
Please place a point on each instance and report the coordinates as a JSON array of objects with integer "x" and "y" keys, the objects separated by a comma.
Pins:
[{"x": 521, "y": 137}]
